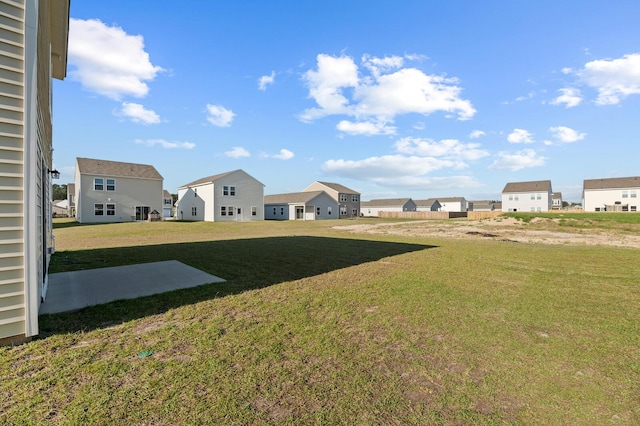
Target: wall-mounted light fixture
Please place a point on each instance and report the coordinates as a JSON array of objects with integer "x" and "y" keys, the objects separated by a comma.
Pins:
[{"x": 54, "y": 174}]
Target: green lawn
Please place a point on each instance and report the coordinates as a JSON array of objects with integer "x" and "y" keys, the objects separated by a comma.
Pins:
[{"x": 320, "y": 326}]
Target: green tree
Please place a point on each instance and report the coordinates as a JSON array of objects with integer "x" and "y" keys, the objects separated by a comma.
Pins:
[{"x": 59, "y": 192}]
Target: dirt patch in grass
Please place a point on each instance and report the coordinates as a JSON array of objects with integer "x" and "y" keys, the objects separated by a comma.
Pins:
[{"x": 538, "y": 230}]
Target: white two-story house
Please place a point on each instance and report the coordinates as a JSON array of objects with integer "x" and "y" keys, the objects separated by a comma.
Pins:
[
  {"x": 534, "y": 196},
  {"x": 230, "y": 196},
  {"x": 114, "y": 191},
  {"x": 611, "y": 194}
]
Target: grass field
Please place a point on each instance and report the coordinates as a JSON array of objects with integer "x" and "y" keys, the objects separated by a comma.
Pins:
[{"x": 319, "y": 326}]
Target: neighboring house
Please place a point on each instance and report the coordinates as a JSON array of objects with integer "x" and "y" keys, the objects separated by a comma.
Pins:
[
  {"x": 534, "y": 196},
  {"x": 348, "y": 200},
  {"x": 497, "y": 206},
  {"x": 312, "y": 205},
  {"x": 230, "y": 196},
  {"x": 374, "y": 207},
  {"x": 481, "y": 206},
  {"x": 71, "y": 199},
  {"x": 611, "y": 194},
  {"x": 428, "y": 205},
  {"x": 556, "y": 201},
  {"x": 33, "y": 50},
  {"x": 114, "y": 191},
  {"x": 167, "y": 204},
  {"x": 59, "y": 208},
  {"x": 452, "y": 204}
]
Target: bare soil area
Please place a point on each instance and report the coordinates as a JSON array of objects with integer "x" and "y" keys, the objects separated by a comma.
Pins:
[{"x": 539, "y": 230}]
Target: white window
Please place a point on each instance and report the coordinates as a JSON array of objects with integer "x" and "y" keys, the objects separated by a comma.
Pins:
[
  {"x": 98, "y": 209},
  {"x": 229, "y": 190},
  {"x": 317, "y": 211},
  {"x": 167, "y": 201},
  {"x": 225, "y": 190},
  {"x": 354, "y": 212},
  {"x": 230, "y": 211},
  {"x": 281, "y": 211},
  {"x": 354, "y": 198},
  {"x": 343, "y": 211},
  {"x": 510, "y": 197},
  {"x": 343, "y": 198},
  {"x": 194, "y": 211},
  {"x": 329, "y": 210},
  {"x": 254, "y": 211},
  {"x": 274, "y": 211},
  {"x": 632, "y": 193},
  {"x": 98, "y": 184},
  {"x": 533, "y": 196},
  {"x": 539, "y": 209},
  {"x": 223, "y": 211},
  {"x": 515, "y": 197},
  {"x": 232, "y": 191},
  {"x": 633, "y": 208},
  {"x": 625, "y": 194},
  {"x": 111, "y": 209},
  {"x": 111, "y": 184},
  {"x": 533, "y": 209}
]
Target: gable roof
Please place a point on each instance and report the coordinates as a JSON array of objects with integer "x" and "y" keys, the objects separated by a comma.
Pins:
[
  {"x": 612, "y": 183},
  {"x": 538, "y": 185},
  {"x": 213, "y": 178},
  {"x": 385, "y": 202},
  {"x": 340, "y": 188},
  {"x": 426, "y": 203},
  {"x": 557, "y": 195},
  {"x": 292, "y": 197},
  {"x": 451, "y": 199},
  {"x": 166, "y": 194},
  {"x": 116, "y": 168}
]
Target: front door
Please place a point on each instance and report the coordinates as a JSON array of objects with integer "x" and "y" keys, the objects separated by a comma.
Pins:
[
  {"x": 142, "y": 212},
  {"x": 299, "y": 213}
]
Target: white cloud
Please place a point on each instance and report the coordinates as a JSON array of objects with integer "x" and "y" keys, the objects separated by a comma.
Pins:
[
  {"x": 566, "y": 134},
  {"x": 138, "y": 114},
  {"x": 237, "y": 152},
  {"x": 219, "y": 115},
  {"x": 520, "y": 136},
  {"x": 108, "y": 61},
  {"x": 569, "y": 97},
  {"x": 517, "y": 160},
  {"x": 365, "y": 128},
  {"x": 266, "y": 80},
  {"x": 476, "y": 134},
  {"x": 165, "y": 144},
  {"x": 386, "y": 166},
  {"x": 446, "y": 148},
  {"x": 284, "y": 154},
  {"x": 614, "y": 79},
  {"x": 389, "y": 90}
]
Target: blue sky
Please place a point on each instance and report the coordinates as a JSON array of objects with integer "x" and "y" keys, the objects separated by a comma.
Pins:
[{"x": 394, "y": 99}]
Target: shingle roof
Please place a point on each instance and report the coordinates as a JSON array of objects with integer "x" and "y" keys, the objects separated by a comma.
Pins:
[
  {"x": 612, "y": 183},
  {"x": 425, "y": 203},
  {"x": 385, "y": 202},
  {"x": 293, "y": 197},
  {"x": 116, "y": 168},
  {"x": 166, "y": 194},
  {"x": 533, "y": 186},
  {"x": 450, "y": 199},
  {"x": 340, "y": 188},
  {"x": 208, "y": 179},
  {"x": 557, "y": 195}
]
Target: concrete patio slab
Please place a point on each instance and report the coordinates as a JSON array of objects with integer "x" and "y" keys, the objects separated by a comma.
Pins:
[{"x": 70, "y": 291}]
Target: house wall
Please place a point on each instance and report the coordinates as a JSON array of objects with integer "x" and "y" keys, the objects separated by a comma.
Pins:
[
  {"x": 249, "y": 193},
  {"x": 26, "y": 239},
  {"x": 129, "y": 193},
  {"x": 277, "y": 212},
  {"x": 453, "y": 206},
  {"x": 351, "y": 205},
  {"x": 522, "y": 202},
  {"x": 189, "y": 202},
  {"x": 375, "y": 211},
  {"x": 597, "y": 199}
]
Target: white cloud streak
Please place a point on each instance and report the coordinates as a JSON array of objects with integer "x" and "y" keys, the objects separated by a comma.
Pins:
[
  {"x": 614, "y": 79},
  {"x": 374, "y": 100},
  {"x": 520, "y": 136},
  {"x": 569, "y": 97},
  {"x": 566, "y": 134},
  {"x": 165, "y": 144},
  {"x": 517, "y": 160},
  {"x": 219, "y": 115},
  {"x": 476, "y": 134},
  {"x": 237, "y": 152},
  {"x": 446, "y": 148},
  {"x": 284, "y": 154},
  {"x": 138, "y": 114},
  {"x": 265, "y": 80},
  {"x": 108, "y": 61}
]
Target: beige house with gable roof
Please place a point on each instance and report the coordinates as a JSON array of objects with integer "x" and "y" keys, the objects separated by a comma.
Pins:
[
  {"x": 113, "y": 191},
  {"x": 533, "y": 196},
  {"x": 33, "y": 50},
  {"x": 611, "y": 194},
  {"x": 348, "y": 200}
]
